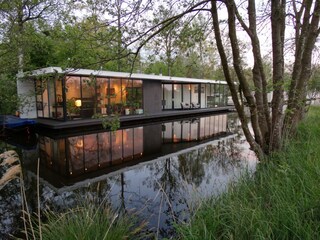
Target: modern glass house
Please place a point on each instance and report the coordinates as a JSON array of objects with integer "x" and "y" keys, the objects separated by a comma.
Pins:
[{"x": 67, "y": 95}]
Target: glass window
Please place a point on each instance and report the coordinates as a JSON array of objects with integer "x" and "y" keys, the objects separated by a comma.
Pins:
[
  {"x": 73, "y": 95},
  {"x": 127, "y": 98},
  {"x": 208, "y": 95},
  {"x": 217, "y": 95},
  {"x": 203, "y": 95},
  {"x": 102, "y": 100},
  {"x": 40, "y": 88},
  {"x": 137, "y": 96},
  {"x": 177, "y": 95},
  {"x": 57, "y": 106},
  {"x": 114, "y": 94},
  {"x": 186, "y": 94},
  {"x": 167, "y": 96},
  {"x": 195, "y": 94}
]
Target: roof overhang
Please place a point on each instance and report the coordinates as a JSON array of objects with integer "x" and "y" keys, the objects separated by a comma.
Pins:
[{"x": 102, "y": 73}]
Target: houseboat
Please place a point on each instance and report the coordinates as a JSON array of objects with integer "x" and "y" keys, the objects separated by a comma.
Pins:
[{"x": 58, "y": 97}]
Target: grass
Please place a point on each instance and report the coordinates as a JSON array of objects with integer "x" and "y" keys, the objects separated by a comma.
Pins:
[
  {"x": 87, "y": 222},
  {"x": 281, "y": 201}
]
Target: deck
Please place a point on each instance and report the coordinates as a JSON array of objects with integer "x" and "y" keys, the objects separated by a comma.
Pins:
[{"x": 130, "y": 120}]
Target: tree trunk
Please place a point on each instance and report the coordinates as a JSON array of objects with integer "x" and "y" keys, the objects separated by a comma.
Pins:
[
  {"x": 307, "y": 37},
  {"x": 277, "y": 27},
  {"x": 233, "y": 89}
]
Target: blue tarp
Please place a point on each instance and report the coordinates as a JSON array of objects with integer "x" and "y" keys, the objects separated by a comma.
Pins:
[{"x": 9, "y": 121}]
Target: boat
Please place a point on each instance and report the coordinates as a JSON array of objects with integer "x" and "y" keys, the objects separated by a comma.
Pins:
[{"x": 16, "y": 124}]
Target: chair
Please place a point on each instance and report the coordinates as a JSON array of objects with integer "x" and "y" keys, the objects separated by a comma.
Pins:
[
  {"x": 195, "y": 105},
  {"x": 185, "y": 105}
]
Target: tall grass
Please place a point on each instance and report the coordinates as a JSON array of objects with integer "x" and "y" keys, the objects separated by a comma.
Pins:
[
  {"x": 281, "y": 201},
  {"x": 89, "y": 222}
]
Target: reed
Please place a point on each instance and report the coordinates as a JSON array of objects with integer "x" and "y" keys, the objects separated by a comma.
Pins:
[{"x": 281, "y": 200}]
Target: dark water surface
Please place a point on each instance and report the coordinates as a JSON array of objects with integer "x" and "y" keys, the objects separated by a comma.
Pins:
[{"x": 160, "y": 171}]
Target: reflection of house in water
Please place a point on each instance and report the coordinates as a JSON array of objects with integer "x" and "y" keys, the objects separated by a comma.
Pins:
[{"x": 75, "y": 158}]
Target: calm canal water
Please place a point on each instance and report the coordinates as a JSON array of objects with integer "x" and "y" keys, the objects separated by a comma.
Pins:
[{"x": 159, "y": 171}]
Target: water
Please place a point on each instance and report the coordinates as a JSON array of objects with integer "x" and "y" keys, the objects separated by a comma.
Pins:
[{"x": 159, "y": 171}]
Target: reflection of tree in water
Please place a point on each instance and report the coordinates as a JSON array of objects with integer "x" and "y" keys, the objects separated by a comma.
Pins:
[
  {"x": 168, "y": 206},
  {"x": 224, "y": 156},
  {"x": 191, "y": 167}
]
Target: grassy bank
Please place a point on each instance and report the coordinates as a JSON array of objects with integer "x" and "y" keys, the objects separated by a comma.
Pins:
[
  {"x": 281, "y": 201},
  {"x": 89, "y": 221}
]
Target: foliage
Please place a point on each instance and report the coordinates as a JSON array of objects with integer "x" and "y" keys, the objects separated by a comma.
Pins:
[
  {"x": 314, "y": 86},
  {"x": 8, "y": 96},
  {"x": 71, "y": 106},
  {"x": 280, "y": 201},
  {"x": 109, "y": 122}
]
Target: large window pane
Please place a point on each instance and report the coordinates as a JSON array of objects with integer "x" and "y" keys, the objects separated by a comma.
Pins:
[
  {"x": 195, "y": 93},
  {"x": 57, "y": 106},
  {"x": 186, "y": 94},
  {"x": 114, "y": 94},
  {"x": 167, "y": 96},
  {"x": 89, "y": 99},
  {"x": 137, "y": 96},
  {"x": 208, "y": 95},
  {"x": 73, "y": 94},
  {"x": 177, "y": 96},
  {"x": 203, "y": 95},
  {"x": 102, "y": 100}
]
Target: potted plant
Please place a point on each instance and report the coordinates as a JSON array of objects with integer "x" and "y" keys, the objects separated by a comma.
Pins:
[{"x": 138, "y": 109}]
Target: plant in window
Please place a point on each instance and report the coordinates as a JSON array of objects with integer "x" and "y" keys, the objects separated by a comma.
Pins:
[{"x": 71, "y": 106}]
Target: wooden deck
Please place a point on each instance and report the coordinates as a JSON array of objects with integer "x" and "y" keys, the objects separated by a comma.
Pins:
[{"x": 51, "y": 124}]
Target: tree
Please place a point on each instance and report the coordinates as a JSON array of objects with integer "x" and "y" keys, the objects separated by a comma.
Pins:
[
  {"x": 16, "y": 16},
  {"x": 269, "y": 127}
]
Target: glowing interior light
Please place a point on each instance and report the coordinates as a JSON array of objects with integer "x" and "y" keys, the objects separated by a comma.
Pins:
[
  {"x": 79, "y": 143},
  {"x": 78, "y": 103}
]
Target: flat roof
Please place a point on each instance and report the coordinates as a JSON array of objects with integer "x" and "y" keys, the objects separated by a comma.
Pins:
[{"x": 103, "y": 73}]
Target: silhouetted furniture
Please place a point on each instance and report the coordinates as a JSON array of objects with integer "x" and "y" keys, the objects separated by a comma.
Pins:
[
  {"x": 87, "y": 107},
  {"x": 185, "y": 105},
  {"x": 195, "y": 105}
]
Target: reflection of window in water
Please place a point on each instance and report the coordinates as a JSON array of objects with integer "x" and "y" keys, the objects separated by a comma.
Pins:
[
  {"x": 194, "y": 129},
  {"x": 80, "y": 154}
]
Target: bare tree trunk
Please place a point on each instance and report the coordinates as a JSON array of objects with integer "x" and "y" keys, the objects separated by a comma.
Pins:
[
  {"x": 259, "y": 77},
  {"x": 278, "y": 15},
  {"x": 233, "y": 89},
  {"x": 306, "y": 37},
  {"x": 119, "y": 38},
  {"x": 20, "y": 41}
]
